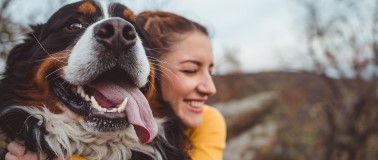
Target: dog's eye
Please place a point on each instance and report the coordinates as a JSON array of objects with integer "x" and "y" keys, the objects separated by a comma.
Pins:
[{"x": 76, "y": 26}]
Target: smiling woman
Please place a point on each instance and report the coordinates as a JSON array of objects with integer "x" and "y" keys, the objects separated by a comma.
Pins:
[
  {"x": 187, "y": 82},
  {"x": 184, "y": 51}
]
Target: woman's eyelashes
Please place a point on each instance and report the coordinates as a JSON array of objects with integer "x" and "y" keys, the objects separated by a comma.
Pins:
[
  {"x": 189, "y": 71},
  {"x": 196, "y": 70}
]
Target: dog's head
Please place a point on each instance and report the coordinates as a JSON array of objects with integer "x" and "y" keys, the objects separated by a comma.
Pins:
[{"x": 86, "y": 61}]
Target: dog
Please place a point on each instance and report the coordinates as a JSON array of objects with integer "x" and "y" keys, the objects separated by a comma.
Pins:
[{"x": 74, "y": 87}]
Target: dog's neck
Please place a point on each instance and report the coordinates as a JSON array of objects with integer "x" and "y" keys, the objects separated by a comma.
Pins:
[{"x": 68, "y": 137}]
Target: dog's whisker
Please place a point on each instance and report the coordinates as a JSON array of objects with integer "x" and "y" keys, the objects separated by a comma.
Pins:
[
  {"x": 64, "y": 82},
  {"x": 153, "y": 59},
  {"x": 157, "y": 62},
  {"x": 161, "y": 66},
  {"x": 152, "y": 86},
  {"x": 53, "y": 79},
  {"x": 51, "y": 73},
  {"x": 157, "y": 77},
  {"x": 156, "y": 49},
  {"x": 45, "y": 49},
  {"x": 167, "y": 69},
  {"x": 39, "y": 60},
  {"x": 169, "y": 77}
]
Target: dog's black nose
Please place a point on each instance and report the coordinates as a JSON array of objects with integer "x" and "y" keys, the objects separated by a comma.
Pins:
[{"x": 115, "y": 33}]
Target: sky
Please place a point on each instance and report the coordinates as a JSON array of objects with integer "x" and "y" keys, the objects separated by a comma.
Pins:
[{"x": 263, "y": 33}]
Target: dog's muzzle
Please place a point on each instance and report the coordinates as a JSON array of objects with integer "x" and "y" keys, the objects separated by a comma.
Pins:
[{"x": 105, "y": 69}]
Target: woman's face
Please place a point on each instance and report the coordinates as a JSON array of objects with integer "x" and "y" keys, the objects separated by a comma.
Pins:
[{"x": 186, "y": 80}]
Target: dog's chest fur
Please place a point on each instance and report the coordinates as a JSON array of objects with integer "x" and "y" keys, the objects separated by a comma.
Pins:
[{"x": 68, "y": 137}]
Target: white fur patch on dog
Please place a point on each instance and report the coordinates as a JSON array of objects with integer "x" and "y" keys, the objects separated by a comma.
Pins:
[{"x": 66, "y": 137}]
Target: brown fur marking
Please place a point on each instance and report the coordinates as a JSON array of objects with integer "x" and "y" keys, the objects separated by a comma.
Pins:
[
  {"x": 129, "y": 14},
  {"x": 43, "y": 93},
  {"x": 87, "y": 8}
]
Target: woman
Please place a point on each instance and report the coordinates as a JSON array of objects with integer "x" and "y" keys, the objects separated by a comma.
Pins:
[
  {"x": 184, "y": 51},
  {"x": 185, "y": 59}
]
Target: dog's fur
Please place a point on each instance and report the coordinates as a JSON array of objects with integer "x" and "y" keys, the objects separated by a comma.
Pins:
[{"x": 36, "y": 103}]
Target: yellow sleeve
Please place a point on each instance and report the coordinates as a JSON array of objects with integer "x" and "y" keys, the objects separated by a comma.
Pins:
[
  {"x": 209, "y": 140},
  {"x": 77, "y": 158}
]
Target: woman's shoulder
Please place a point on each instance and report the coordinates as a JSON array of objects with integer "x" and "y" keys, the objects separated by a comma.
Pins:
[
  {"x": 209, "y": 139},
  {"x": 213, "y": 121},
  {"x": 212, "y": 114}
]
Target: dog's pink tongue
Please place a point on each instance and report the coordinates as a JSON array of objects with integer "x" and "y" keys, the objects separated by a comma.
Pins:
[{"x": 138, "y": 110}]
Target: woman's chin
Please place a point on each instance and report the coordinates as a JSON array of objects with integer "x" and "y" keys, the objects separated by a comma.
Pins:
[{"x": 192, "y": 121}]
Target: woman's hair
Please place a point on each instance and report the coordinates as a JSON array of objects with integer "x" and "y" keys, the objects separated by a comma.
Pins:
[{"x": 165, "y": 28}]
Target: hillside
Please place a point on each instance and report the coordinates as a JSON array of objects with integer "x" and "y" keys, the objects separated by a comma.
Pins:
[{"x": 291, "y": 85}]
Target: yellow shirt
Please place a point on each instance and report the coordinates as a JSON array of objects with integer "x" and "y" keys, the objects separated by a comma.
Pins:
[
  {"x": 209, "y": 139},
  {"x": 74, "y": 157}
]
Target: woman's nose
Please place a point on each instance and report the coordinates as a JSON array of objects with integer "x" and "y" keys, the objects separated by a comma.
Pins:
[{"x": 207, "y": 86}]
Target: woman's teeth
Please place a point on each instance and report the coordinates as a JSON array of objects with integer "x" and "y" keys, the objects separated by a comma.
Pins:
[{"x": 196, "y": 104}]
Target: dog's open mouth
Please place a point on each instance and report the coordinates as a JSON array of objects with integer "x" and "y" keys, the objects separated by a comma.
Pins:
[{"x": 109, "y": 103}]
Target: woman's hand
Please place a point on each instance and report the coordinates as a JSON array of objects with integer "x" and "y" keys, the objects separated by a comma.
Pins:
[{"x": 16, "y": 151}]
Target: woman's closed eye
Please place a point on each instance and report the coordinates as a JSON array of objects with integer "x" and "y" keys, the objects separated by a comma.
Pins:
[{"x": 189, "y": 71}]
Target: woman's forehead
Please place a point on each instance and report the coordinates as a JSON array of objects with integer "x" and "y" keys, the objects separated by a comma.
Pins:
[{"x": 193, "y": 45}]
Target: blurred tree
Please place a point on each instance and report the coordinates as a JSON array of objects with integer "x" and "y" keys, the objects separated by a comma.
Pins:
[
  {"x": 342, "y": 40},
  {"x": 11, "y": 32},
  {"x": 8, "y": 30},
  {"x": 229, "y": 62},
  {"x": 232, "y": 83}
]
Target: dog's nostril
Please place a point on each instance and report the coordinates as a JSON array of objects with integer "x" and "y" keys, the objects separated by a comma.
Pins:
[
  {"x": 105, "y": 31},
  {"x": 115, "y": 33},
  {"x": 128, "y": 33}
]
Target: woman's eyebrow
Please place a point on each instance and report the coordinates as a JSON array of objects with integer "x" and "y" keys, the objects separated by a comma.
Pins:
[
  {"x": 196, "y": 63},
  {"x": 192, "y": 61}
]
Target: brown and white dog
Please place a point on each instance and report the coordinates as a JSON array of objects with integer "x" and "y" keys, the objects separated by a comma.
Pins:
[{"x": 73, "y": 87}]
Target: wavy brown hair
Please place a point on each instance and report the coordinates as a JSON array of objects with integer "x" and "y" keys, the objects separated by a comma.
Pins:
[{"x": 165, "y": 30}]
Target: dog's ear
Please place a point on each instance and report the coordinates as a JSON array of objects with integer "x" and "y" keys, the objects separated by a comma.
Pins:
[
  {"x": 22, "y": 52},
  {"x": 143, "y": 35}
]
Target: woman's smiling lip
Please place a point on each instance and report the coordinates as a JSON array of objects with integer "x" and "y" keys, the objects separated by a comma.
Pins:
[{"x": 195, "y": 105}]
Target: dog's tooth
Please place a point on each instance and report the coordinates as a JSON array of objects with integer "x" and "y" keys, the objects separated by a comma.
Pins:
[
  {"x": 87, "y": 98},
  {"x": 112, "y": 110},
  {"x": 79, "y": 89},
  {"x": 95, "y": 104},
  {"x": 122, "y": 106},
  {"x": 93, "y": 101},
  {"x": 82, "y": 94}
]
